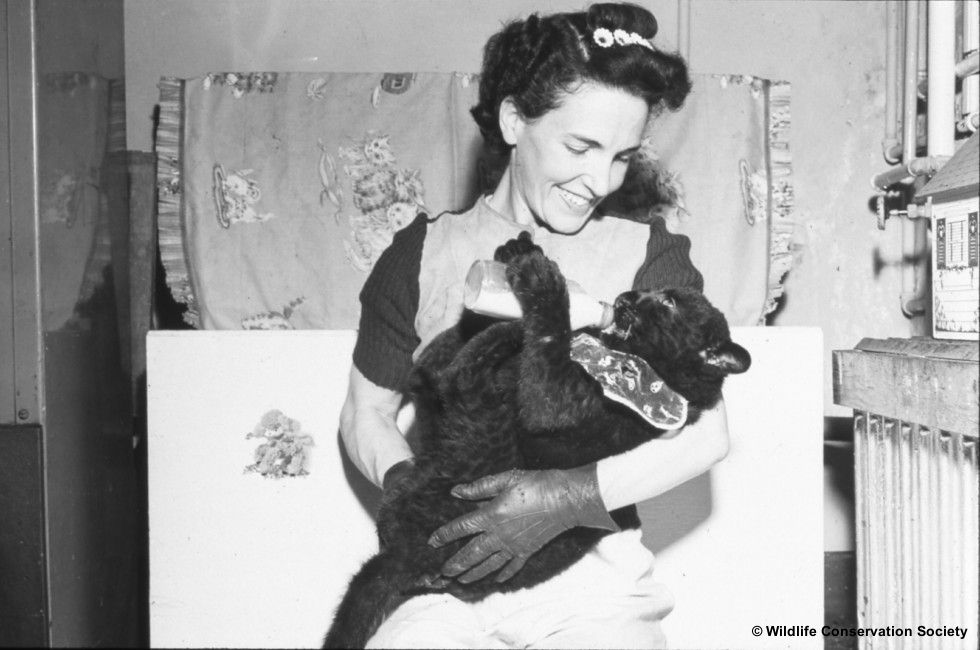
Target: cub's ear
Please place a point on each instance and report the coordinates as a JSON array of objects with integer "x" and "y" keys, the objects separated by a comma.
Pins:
[{"x": 729, "y": 357}]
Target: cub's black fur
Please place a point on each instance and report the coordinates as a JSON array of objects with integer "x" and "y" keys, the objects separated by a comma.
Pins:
[{"x": 508, "y": 396}]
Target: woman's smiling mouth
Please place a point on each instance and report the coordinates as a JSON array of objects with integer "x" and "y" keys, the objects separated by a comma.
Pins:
[{"x": 573, "y": 200}]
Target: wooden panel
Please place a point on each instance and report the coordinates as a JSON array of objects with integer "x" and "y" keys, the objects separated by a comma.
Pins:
[
  {"x": 922, "y": 346},
  {"x": 23, "y": 603},
  {"x": 7, "y": 408},
  {"x": 91, "y": 488},
  {"x": 840, "y": 603},
  {"x": 914, "y": 386},
  {"x": 24, "y": 228}
]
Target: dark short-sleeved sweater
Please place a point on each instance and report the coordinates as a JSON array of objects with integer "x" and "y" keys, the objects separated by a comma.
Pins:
[{"x": 387, "y": 335}]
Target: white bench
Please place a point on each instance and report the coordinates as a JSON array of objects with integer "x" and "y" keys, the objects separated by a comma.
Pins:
[{"x": 240, "y": 560}]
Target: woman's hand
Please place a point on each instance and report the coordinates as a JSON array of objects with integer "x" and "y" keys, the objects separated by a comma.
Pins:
[{"x": 528, "y": 509}]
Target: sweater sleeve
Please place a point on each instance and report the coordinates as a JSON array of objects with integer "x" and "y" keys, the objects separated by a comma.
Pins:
[
  {"x": 386, "y": 337},
  {"x": 668, "y": 261}
]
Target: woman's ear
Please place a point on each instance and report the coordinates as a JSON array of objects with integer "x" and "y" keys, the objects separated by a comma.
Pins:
[{"x": 511, "y": 121}]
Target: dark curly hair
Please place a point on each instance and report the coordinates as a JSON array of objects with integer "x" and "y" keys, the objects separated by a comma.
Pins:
[{"x": 538, "y": 60}]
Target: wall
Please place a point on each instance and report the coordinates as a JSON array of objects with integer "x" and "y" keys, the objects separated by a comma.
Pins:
[
  {"x": 69, "y": 558},
  {"x": 80, "y": 37},
  {"x": 185, "y": 38},
  {"x": 91, "y": 482},
  {"x": 832, "y": 53}
]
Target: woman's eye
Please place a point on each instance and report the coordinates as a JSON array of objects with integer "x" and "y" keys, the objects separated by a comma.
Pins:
[{"x": 576, "y": 150}]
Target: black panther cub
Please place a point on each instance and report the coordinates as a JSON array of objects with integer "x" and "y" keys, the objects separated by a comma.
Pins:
[{"x": 509, "y": 396}]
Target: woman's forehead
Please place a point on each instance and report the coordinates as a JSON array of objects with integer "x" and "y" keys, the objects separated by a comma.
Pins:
[{"x": 608, "y": 116}]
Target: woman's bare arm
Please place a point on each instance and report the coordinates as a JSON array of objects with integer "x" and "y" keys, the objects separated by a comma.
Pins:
[
  {"x": 368, "y": 426},
  {"x": 659, "y": 465}
]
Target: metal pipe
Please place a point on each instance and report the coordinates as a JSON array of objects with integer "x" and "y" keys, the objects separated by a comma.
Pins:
[
  {"x": 968, "y": 65},
  {"x": 971, "y": 26},
  {"x": 969, "y": 123},
  {"x": 923, "y": 25},
  {"x": 942, "y": 79},
  {"x": 909, "y": 105},
  {"x": 940, "y": 129},
  {"x": 896, "y": 152},
  {"x": 970, "y": 91},
  {"x": 891, "y": 81},
  {"x": 910, "y": 71},
  {"x": 906, "y": 173},
  {"x": 684, "y": 29}
]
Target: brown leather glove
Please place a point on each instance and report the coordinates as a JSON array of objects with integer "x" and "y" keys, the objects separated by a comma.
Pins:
[{"x": 527, "y": 510}]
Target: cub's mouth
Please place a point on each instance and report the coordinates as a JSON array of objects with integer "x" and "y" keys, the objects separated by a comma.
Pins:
[{"x": 625, "y": 316}]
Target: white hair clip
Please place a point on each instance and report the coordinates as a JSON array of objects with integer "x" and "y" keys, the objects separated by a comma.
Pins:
[{"x": 605, "y": 38}]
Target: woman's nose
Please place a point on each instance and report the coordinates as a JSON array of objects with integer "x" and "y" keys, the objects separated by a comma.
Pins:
[{"x": 599, "y": 178}]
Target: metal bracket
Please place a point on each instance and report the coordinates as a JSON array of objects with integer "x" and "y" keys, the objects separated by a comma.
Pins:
[{"x": 911, "y": 211}]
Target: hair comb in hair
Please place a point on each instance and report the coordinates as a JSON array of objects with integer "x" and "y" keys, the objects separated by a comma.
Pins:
[{"x": 605, "y": 38}]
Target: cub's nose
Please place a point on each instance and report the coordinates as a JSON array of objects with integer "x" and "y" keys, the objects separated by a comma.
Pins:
[
  {"x": 626, "y": 300},
  {"x": 624, "y": 309}
]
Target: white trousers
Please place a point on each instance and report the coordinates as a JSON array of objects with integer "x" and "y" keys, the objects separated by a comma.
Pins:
[{"x": 608, "y": 599}]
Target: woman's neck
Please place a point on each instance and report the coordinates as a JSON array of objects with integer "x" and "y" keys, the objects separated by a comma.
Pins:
[{"x": 507, "y": 201}]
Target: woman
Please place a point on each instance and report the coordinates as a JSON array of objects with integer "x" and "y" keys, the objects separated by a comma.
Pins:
[{"x": 566, "y": 97}]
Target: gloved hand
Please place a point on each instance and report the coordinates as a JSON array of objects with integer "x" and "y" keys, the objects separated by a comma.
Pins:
[{"x": 529, "y": 508}]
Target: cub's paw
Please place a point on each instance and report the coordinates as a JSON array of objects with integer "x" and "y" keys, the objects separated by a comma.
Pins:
[
  {"x": 537, "y": 282},
  {"x": 514, "y": 248}
]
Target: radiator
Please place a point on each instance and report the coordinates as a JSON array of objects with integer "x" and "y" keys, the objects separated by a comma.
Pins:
[
  {"x": 917, "y": 510},
  {"x": 916, "y": 489}
]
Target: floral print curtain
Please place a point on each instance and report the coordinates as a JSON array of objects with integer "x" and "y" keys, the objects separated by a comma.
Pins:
[{"x": 278, "y": 191}]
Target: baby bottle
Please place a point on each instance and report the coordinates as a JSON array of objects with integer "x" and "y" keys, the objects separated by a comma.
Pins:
[{"x": 487, "y": 292}]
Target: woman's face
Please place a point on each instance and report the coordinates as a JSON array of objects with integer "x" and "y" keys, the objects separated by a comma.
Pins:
[{"x": 566, "y": 161}]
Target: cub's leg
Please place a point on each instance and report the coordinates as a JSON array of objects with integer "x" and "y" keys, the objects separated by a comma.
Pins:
[{"x": 553, "y": 391}]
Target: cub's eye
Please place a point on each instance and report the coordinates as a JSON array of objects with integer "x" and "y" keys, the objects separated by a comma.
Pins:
[{"x": 667, "y": 301}]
